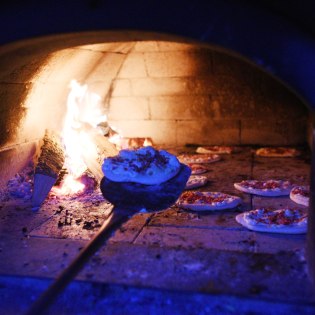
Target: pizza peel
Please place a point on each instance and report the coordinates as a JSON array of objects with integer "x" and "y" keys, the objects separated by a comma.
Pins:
[{"x": 127, "y": 199}]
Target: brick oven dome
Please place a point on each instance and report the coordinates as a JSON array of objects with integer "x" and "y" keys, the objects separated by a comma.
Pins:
[
  {"x": 173, "y": 89},
  {"x": 275, "y": 35}
]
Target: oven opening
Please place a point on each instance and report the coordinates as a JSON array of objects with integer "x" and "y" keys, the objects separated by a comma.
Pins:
[{"x": 71, "y": 101}]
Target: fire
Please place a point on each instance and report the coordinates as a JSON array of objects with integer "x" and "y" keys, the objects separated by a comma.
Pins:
[
  {"x": 70, "y": 185},
  {"x": 84, "y": 127},
  {"x": 84, "y": 114}
]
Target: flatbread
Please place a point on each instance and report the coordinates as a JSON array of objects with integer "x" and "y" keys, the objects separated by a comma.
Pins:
[
  {"x": 277, "y": 152},
  {"x": 268, "y": 188},
  {"x": 215, "y": 149},
  {"x": 197, "y": 169},
  {"x": 198, "y": 158},
  {"x": 287, "y": 221},
  {"x": 196, "y": 181},
  {"x": 144, "y": 166},
  {"x": 300, "y": 195},
  {"x": 205, "y": 201}
]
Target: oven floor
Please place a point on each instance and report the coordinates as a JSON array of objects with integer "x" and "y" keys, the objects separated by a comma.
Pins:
[{"x": 169, "y": 262}]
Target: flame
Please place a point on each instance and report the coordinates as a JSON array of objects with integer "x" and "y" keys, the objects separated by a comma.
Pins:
[
  {"x": 70, "y": 185},
  {"x": 83, "y": 120},
  {"x": 147, "y": 142},
  {"x": 119, "y": 141},
  {"x": 84, "y": 113}
]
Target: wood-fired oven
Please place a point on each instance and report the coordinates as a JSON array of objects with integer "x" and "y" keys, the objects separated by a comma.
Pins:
[{"x": 215, "y": 74}]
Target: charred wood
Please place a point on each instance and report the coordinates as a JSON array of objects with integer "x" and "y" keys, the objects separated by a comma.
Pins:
[
  {"x": 103, "y": 148},
  {"x": 49, "y": 164}
]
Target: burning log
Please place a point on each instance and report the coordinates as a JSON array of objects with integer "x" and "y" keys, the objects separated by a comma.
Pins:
[
  {"x": 49, "y": 164},
  {"x": 94, "y": 157}
]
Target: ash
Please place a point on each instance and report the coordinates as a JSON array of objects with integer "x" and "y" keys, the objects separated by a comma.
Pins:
[
  {"x": 20, "y": 186},
  {"x": 75, "y": 216}
]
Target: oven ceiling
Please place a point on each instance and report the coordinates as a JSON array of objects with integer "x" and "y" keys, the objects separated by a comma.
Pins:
[{"x": 276, "y": 35}]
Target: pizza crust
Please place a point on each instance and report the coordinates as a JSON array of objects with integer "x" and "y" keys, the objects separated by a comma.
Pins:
[
  {"x": 144, "y": 166},
  {"x": 216, "y": 149},
  {"x": 277, "y": 152},
  {"x": 197, "y": 169},
  {"x": 298, "y": 198},
  {"x": 196, "y": 181},
  {"x": 284, "y": 190},
  {"x": 230, "y": 202},
  {"x": 300, "y": 228},
  {"x": 198, "y": 159}
]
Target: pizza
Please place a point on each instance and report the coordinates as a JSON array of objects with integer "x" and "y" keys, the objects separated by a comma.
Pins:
[
  {"x": 277, "y": 152},
  {"x": 197, "y": 169},
  {"x": 204, "y": 201},
  {"x": 269, "y": 188},
  {"x": 187, "y": 158},
  {"x": 144, "y": 166},
  {"x": 288, "y": 221},
  {"x": 300, "y": 195},
  {"x": 196, "y": 181},
  {"x": 215, "y": 149}
]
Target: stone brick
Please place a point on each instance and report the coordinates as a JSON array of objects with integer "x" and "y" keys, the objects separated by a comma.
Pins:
[
  {"x": 283, "y": 101},
  {"x": 145, "y": 46},
  {"x": 160, "y": 86},
  {"x": 37, "y": 257},
  {"x": 208, "y": 132},
  {"x": 122, "y": 87},
  {"x": 175, "y": 217},
  {"x": 231, "y": 240},
  {"x": 178, "y": 63},
  {"x": 42, "y": 111},
  {"x": 183, "y": 107},
  {"x": 129, "y": 231},
  {"x": 236, "y": 99},
  {"x": 12, "y": 111},
  {"x": 163, "y": 45},
  {"x": 133, "y": 66},
  {"x": 175, "y": 46},
  {"x": 128, "y": 108},
  {"x": 269, "y": 132},
  {"x": 161, "y": 132},
  {"x": 232, "y": 64},
  {"x": 296, "y": 170},
  {"x": 21, "y": 67},
  {"x": 83, "y": 219},
  {"x": 12, "y": 161},
  {"x": 275, "y": 202},
  {"x": 100, "y": 66},
  {"x": 63, "y": 67},
  {"x": 118, "y": 47}
]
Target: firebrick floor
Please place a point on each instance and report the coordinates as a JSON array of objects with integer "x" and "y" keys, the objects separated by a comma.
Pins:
[{"x": 167, "y": 262}]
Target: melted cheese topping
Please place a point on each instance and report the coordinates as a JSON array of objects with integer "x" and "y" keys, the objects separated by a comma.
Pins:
[
  {"x": 301, "y": 190},
  {"x": 277, "y": 152},
  {"x": 275, "y": 218},
  {"x": 197, "y": 158},
  {"x": 215, "y": 149},
  {"x": 145, "y": 166},
  {"x": 213, "y": 198},
  {"x": 265, "y": 185}
]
